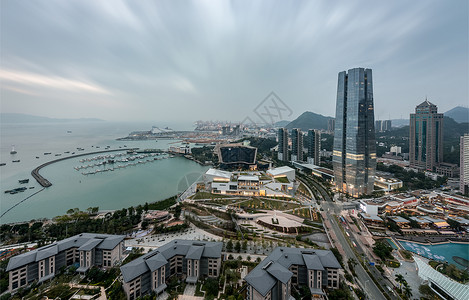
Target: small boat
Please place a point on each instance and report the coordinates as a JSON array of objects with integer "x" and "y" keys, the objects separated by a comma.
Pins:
[
  {"x": 58, "y": 154},
  {"x": 17, "y": 160},
  {"x": 69, "y": 131},
  {"x": 67, "y": 152},
  {"x": 3, "y": 164},
  {"x": 13, "y": 151},
  {"x": 37, "y": 156},
  {"x": 22, "y": 181},
  {"x": 47, "y": 153}
]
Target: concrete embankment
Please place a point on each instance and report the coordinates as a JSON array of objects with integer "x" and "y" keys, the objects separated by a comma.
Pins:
[{"x": 46, "y": 183}]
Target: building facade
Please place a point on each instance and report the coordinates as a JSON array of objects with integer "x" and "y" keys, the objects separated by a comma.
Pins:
[
  {"x": 285, "y": 267},
  {"x": 354, "y": 153},
  {"x": 464, "y": 165},
  {"x": 86, "y": 250},
  {"x": 297, "y": 145},
  {"x": 314, "y": 147},
  {"x": 283, "y": 144},
  {"x": 188, "y": 259},
  {"x": 426, "y": 137},
  {"x": 330, "y": 125}
]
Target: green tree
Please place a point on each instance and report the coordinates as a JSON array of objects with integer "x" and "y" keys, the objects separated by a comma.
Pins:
[
  {"x": 229, "y": 246},
  {"x": 238, "y": 246}
]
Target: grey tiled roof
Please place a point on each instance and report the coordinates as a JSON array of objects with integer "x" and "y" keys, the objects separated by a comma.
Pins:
[
  {"x": 279, "y": 272},
  {"x": 159, "y": 257},
  {"x": 312, "y": 262},
  {"x": 269, "y": 271},
  {"x": 107, "y": 242},
  {"x": 90, "y": 245},
  {"x": 195, "y": 252}
]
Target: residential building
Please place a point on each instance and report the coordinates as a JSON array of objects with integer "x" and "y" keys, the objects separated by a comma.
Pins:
[
  {"x": 189, "y": 259},
  {"x": 274, "y": 277},
  {"x": 282, "y": 144},
  {"x": 426, "y": 137},
  {"x": 447, "y": 169},
  {"x": 314, "y": 147},
  {"x": 297, "y": 145},
  {"x": 464, "y": 165},
  {"x": 383, "y": 125},
  {"x": 354, "y": 155},
  {"x": 330, "y": 125},
  {"x": 225, "y": 130},
  {"x": 85, "y": 249}
]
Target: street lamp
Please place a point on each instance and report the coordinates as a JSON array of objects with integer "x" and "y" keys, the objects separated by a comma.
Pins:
[{"x": 366, "y": 290}]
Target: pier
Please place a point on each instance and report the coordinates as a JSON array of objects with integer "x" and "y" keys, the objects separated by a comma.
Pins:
[{"x": 46, "y": 183}]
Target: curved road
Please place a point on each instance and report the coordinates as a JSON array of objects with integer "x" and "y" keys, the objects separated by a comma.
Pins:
[{"x": 370, "y": 287}]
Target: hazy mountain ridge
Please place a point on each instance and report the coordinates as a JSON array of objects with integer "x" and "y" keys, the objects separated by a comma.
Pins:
[
  {"x": 459, "y": 114},
  {"x": 25, "y": 118},
  {"x": 309, "y": 120}
]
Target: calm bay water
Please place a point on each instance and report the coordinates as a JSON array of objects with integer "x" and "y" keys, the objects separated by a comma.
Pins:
[
  {"x": 131, "y": 186},
  {"x": 441, "y": 252}
]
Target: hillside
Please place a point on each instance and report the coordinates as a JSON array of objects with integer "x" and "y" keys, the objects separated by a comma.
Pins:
[
  {"x": 309, "y": 120},
  {"x": 459, "y": 114},
  {"x": 24, "y": 118}
]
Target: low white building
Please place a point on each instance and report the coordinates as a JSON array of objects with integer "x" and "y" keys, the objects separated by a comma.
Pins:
[{"x": 285, "y": 171}]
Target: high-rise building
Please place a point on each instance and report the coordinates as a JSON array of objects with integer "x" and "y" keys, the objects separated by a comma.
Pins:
[
  {"x": 354, "y": 155},
  {"x": 426, "y": 137},
  {"x": 383, "y": 125},
  {"x": 225, "y": 130},
  {"x": 464, "y": 165},
  {"x": 283, "y": 144},
  {"x": 330, "y": 125},
  {"x": 296, "y": 145},
  {"x": 314, "y": 146}
]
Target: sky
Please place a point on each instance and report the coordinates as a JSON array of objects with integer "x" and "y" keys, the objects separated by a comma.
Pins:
[{"x": 179, "y": 61}]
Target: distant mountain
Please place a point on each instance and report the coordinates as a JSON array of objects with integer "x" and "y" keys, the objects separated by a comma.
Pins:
[
  {"x": 399, "y": 122},
  {"x": 309, "y": 120},
  {"x": 282, "y": 123},
  {"x": 459, "y": 114},
  {"x": 24, "y": 118}
]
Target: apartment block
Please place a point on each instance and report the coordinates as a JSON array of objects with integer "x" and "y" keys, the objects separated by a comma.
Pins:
[
  {"x": 285, "y": 267},
  {"x": 188, "y": 259},
  {"x": 85, "y": 249}
]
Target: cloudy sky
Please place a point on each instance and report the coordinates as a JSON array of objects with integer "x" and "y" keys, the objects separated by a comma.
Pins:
[{"x": 189, "y": 60}]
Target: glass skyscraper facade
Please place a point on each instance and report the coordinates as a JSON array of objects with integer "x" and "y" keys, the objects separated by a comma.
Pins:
[
  {"x": 354, "y": 153},
  {"x": 296, "y": 145},
  {"x": 282, "y": 144},
  {"x": 314, "y": 146}
]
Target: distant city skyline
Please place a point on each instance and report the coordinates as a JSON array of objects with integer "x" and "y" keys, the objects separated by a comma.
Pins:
[{"x": 177, "y": 61}]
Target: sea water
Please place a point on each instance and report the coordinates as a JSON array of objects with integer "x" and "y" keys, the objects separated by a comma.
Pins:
[{"x": 121, "y": 188}]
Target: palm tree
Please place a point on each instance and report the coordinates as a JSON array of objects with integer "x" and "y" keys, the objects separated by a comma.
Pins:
[
  {"x": 407, "y": 290},
  {"x": 400, "y": 279}
]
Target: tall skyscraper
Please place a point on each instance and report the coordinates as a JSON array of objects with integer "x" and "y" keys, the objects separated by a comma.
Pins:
[
  {"x": 426, "y": 137},
  {"x": 464, "y": 165},
  {"x": 354, "y": 155},
  {"x": 314, "y": 146},
  {"x": 296, "y": 145},
  {"x": 282, "y": 144}
]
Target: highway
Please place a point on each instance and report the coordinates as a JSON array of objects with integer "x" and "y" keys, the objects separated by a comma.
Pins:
[{"x": 370, "y": 288}]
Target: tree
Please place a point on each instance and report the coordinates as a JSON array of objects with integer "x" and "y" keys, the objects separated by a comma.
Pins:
[
  {"x": 400, "y": 279},
  {"x": 245, "y": 245},
  {"x": 177, "y": 211},
  {"x": 407, "y": 290},
  {"x": 229, "y": 246},
  {"x": 238, "y": 246}
]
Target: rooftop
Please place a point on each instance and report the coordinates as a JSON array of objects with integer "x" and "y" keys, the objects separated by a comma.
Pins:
[
  {"x": 275, "y": 266},
  {"x": 280, "y": 170},
  {"x": 398, "y": 219},
  {"x": 155, "y": 259},
  {"x": 83, "y": 241}
]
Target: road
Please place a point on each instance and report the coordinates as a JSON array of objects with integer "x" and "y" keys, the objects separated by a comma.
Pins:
[{"x": 371, "y": 290}]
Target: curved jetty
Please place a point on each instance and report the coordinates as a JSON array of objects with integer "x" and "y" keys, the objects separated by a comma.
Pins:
[{"x": 46, "y": 183}]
